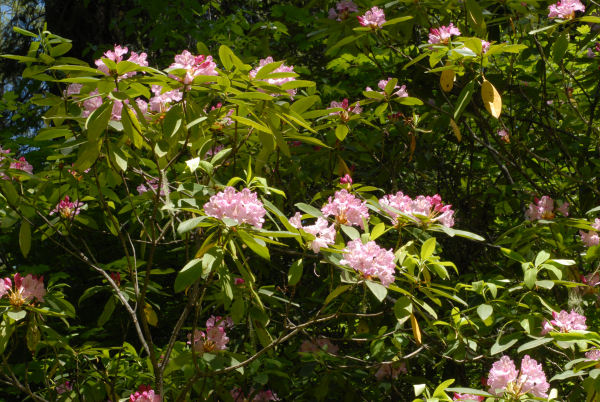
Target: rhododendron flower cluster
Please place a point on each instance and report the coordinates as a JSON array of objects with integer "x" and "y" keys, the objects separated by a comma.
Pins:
[
  {"x": 194, "y": 66},
  {"x": 94, "y": 100},
  {"x": 67, "y": 209},
  {"x": 150, "y": 184},
  {"x": 275, "y": 81},
  {"x": 429, "y": 207},
  {"x": 321, "y": 344},
  {"x": 347, "y": 209},
  {"x": 401, "y": 90},
  {"x": 504, "y": 378},
  {"x": 442, "y": 34},
  {"x": 564, "y": 322},
  {"x": 467, "y": 397},
  {"x": 591, "y": 238},
  {"x": 342, "y": 10},
  {"x": 242, "y": 207},
  {"x": 503, "y": 134},
  {"x": 347, "y": 109},
  {"x": 370, "y": 261},
  {"x": 565, "y": 9},
  {"x": 346, "y": 179},
  {"x": 388, "y": 370},
  {"x": 19, "y": 164},
  {"x": 543, "y": 208},
  {"x": 262, "y": 396},
  {"x": 161, "y": 101},
  {"x": 593, "y": 354},
  {"x": 214, "y": 339},
  {"x": 324, "y": 232},
  {"x": 144, "y": 394},
  {"x": 374, "y": 18},
  {"x": 25, "y": 289},
  {"x": 63, "y": 387},
  {"x": 485, "y": 46},
  {"x": 117, "y": 56}
]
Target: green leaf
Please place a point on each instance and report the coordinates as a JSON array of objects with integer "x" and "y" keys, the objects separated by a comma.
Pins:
[
  {"x": 50, "y": 133},
  {"x": 190, "y": 273},
  {"x": 530, "y": 277},
  {"x": 463, "y": 99},
  {"x": 475, "y": 17},
  {"x": 295, "y": 273},
  {"x": 267, "y": 69},
  {"x": 484, "y": 311},
  {"x": 560, "y": 47},
  {"x": 25, "y": 238},
  {"x": 17, "y": 315},
  {"x": 541, "y": 258},
  {"x": 513, "y": 255},
  {"x": 6, "y": 330},
  {"x": 255, "y": 244},
  {"x": 533, "y": 344},
  {"x": 377, "y": 230},
  {"x": 590, "y": 18},
  {"x": 97, "y": 122},
  {"x": 428, "y": 248},
  {"x": 131, "y": 126},
  {"x": 341, "y": 131},
  {"x": 87, "y": 155},
  {"x": 309, "y": 209},
  {"x": 378, "y": 290},
  {"x": 109, "y": 308},
  {"x": 24, "y": 32},
  {"x": 335, "y": 293},
  {"x": 409, "y": 100},
  {"x": 472, "y": 391},
  {"x": 394, "y": 21},
  {"x": 498, "y": 347},
  {"x": 252, "y": 123},
  {"x": 439, "y": 390},
  {"x": 351, "y": 232}
]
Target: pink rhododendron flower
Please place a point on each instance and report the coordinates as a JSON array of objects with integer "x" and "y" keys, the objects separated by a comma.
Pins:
[
  {"x": 63, "y": 387},
  {"x": 342, "y": 10},
  {"x": 321, "y": 344},
  {"x": 370, "y": 261},
  {"x": 214, "y": 339},
  {"x": 387, "y": 370},
  {"x": 442, "y": 34},
  {"x": 25, "y": 289},
  {"x": 238, "y": 281},
  {"x": 151, "y": 184},
  {"x": 593, "y": 354},
  {"x": 467, "y": 397},
  {"x": 591, "y": 238},
  {"x": 22, "y": 164},
  {"x": 565, "y": 322},
  {"x": 161, "y": 101},
  {"x": 503, "y": 377},
  {"x": 485, "y": 46},
  {"x": 504, "y": 135},
  {"x": 429, "y": 207},
  {"x": 347, "y": 209},
  {"x": 73, "y": 89},
  {"x": 276, "y": 81},
  {"x": 401, "y": 90},
  {"x": 374, "y": 18},
  {"x": 324, "y": 232},
  {"x": 67, "y": 209},
  {"x": 346, "y": 179},
  {"x": 242, "y": 207},
  {"x": 543, "y": 208},
  {"x": 117, "y": 56},
  {"x": 565, "y": 9},
  {"x": 194, "y": 66},
  {"x": 144, "y": 394},
  {"x": 347, "y": 109}
]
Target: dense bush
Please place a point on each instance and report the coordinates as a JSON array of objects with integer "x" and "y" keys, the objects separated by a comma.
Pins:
[{"x": 395, "y": 201}]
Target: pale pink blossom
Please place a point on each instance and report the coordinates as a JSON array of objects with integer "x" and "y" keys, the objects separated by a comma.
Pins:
[
  {"x": 22, "y": 164},
  {"x": 215, "y": 337},
  {"x": 565, "y": 9},
  {"x": 151, "y": 184},
  {"x": 324, "y": 232},
  {"x": 565, "y": 322},
  {"x": 590, "y": 238},
  {"x": 63, "y": 387},
  {"x": 442, "y": 34},
  {"x": 161, "y": 101},
  {"x": 370, "y": 260},
  {"x": 422, "y": 209},
  {"x": 226, "y": 120},
  {"x": 5, "y": 286},
  {"x": 543, "y": 208},
  {"x": 342, "y": 10},
  {"x": 144, "y": 394},
  {"x": 467, "y": 397},
  {"x": 346, "y": 208},
  {"x": 532, "y": 379},
  {"x": 401, "y": 90},
  {"x": 194, "y": 66},
  {"x": 320, "y": 344},
  {"x": 391, "y": 371},
  {"x": 374, "y": 18},
  {"x": 218, "y": 321},
  {"x": 347, "y": 109},
  {"x": 67, "y": 209},
  {"x": 593, "y": 354},
  {"x": 117, "y": 56},
  {"x": 73, "y": 89},
  {"x": 26, "y": 289},
  {"x": 502, "y": 373},
  {"x": 485, "y": 46},
  {"x": 503, "y": 134},
  {"x": 242, "y": 207},
  {"x": 276, "y": 81}
]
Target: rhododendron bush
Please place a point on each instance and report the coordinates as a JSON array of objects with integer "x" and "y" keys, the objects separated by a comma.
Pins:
[{"x": 379, "y": 201}]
